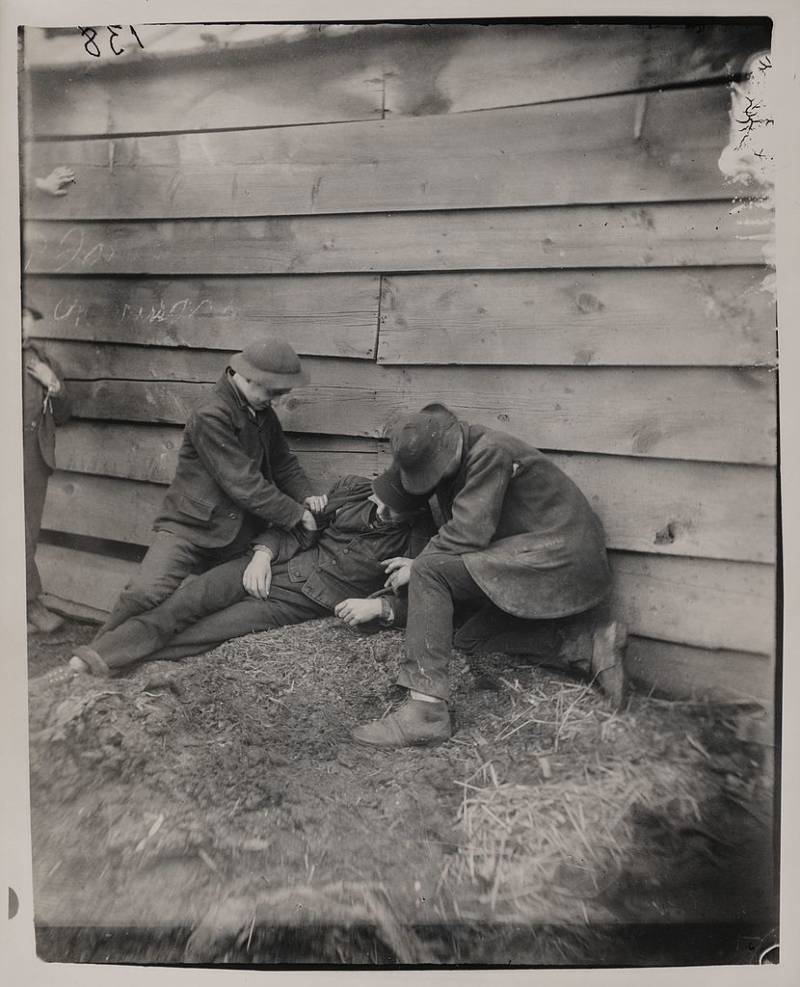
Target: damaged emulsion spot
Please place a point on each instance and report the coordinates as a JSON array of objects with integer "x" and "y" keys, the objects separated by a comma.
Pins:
[
  {"x": 666, "y": 536},
  {"x": 586, "y": 302},
  {"x": 645, "y": 436}
]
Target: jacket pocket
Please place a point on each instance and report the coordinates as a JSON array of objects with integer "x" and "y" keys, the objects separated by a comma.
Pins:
[{"x": 196, "y": 511}]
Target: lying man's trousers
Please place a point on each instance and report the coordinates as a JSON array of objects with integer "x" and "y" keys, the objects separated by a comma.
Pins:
[
  {"x": 439, "y": 581},
  {"x": 169, "y": 560},
  {"x": 204, "y": 613}
]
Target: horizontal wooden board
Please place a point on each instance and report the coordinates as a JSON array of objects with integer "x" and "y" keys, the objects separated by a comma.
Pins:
[
  {"x": 78, "y": 611},
  {"x": 723, "y": 605},
  {"x": 699, "y": 602},
  {"x": 133, "y": 452},
  {"x": 82, "y": 577},
  {"x": 305, "y": 74},
  {"x": 327, "y": 458},
  {"x": 582, "y": 151},
  {"x": 677, "y": 508},
  {"x": 697, "y": 317},
  {"x": 656, "y": 506},
  {"x": 100, "y": 361},
  {"x": 718, "y": 415},
  {"x": 667, "y": 235},
  {"x": 334, "y": 316},
  {"x": 102, "y": 507},
  {"x": 508, "y": 64},
  {"x": 150, "y": 452},
  {"x": 207, "y": 89},
  {"x": 124, "y": 510},
  {"x": 678, "y": 671}
]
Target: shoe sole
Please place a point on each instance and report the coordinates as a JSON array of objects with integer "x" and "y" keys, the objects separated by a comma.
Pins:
[{"x": 433, "y": 742}]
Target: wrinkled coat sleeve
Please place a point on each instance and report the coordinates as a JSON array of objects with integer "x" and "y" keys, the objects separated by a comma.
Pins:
[
  {"x": 216, "y": 443},
  {"x": 284, "y": 545},
  {"x": 478, "y": 504},
  {"x": 420, "y": 537}
]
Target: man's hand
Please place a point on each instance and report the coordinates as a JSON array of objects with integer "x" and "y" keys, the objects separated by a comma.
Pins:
[
  {"x": 308, "y": 522},
  {"x": 316, "y": 504},
  {"x": 398, "y": 571},
  {"x": 40, "y": 371},
  {"x": 56, "y": 180},
  {"x": 354, "y": 612},
  {"x": 257, "y": 577}
]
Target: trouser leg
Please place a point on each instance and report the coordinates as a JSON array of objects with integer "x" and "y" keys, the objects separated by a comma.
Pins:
[
  {"x": 35, "y": 477},
  {"x": 146, "y": 632},
  {"x": 286, "y": 605},
  {"x": 438, "y": 580},
  {"x": 168, "y": 561},
  {"x": 490, "y": 629},
  {"x": 563, "y": 642}
]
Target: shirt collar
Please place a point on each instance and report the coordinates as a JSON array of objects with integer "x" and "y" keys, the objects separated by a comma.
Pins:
[{"x": 226, "y": 384}]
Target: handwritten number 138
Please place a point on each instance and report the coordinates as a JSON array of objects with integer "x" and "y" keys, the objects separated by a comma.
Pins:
[{"x": 92, "y": 47}]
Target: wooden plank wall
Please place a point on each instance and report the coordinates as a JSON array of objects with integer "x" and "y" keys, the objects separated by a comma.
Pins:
[{"x": 524, "y": 221}]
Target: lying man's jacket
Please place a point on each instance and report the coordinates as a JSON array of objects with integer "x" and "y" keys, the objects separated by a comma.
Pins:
[
  {"x": 342, "y": 559},
  {"x": 234, "y": 469},
  {"x": 339, "y": 561}
]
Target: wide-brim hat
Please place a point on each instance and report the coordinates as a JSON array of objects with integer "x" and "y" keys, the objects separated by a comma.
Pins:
[
  {"x": 423, "y": 446},
  {"x": 271, "y": 362},
  {"x": 388, "y": 487}
]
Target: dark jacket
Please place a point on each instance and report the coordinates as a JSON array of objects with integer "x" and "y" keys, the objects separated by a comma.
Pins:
[
  {"x": 343, "y": 558},
  {"x": 234, "y": 469},
  {"x": 40, "y": 412},
  {"x": 526, "y": 533}
]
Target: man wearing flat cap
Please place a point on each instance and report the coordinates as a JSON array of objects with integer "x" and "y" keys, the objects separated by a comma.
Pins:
[
  {"x": 235, "y": 477},
  {"x": 519, "y": 544},
  {"x": 293, "y": 576}
]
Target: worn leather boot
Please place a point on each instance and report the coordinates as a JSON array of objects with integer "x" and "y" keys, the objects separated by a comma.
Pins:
[
  {"x": 608, "y": 652},
  {"x": 42, "y": 619},
  {"x": 415, "y": 724}
]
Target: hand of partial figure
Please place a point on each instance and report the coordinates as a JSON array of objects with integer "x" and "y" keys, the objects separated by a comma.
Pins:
[
  {"x": 54, "y": 183},
  {"x": 40, "y": 371}
]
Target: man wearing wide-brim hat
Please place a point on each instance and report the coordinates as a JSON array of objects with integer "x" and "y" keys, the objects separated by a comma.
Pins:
[
  {"x": 519, "y": 545},
  {"x": 235, "y": 477}
]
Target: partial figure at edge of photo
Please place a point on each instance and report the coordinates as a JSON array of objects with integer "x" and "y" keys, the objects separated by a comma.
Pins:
[{"x": 45, "y": 404}]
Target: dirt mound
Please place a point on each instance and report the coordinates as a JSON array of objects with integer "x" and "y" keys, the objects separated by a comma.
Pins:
[{"x": 221, "y": 796}]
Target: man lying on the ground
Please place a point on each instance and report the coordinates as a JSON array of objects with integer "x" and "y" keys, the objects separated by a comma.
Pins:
[
  {"x": 291, "y": 576},
  {"x": 519, "y": 543}
]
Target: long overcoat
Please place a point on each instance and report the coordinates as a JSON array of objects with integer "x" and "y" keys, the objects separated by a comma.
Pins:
[{"x": 527, "y": 535}]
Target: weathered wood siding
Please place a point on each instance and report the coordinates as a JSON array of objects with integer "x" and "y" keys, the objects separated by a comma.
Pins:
[{"x": 525, "y": 221}]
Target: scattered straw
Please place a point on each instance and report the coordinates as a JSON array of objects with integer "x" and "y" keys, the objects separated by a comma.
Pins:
[{"x": 525, "y": 844}]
